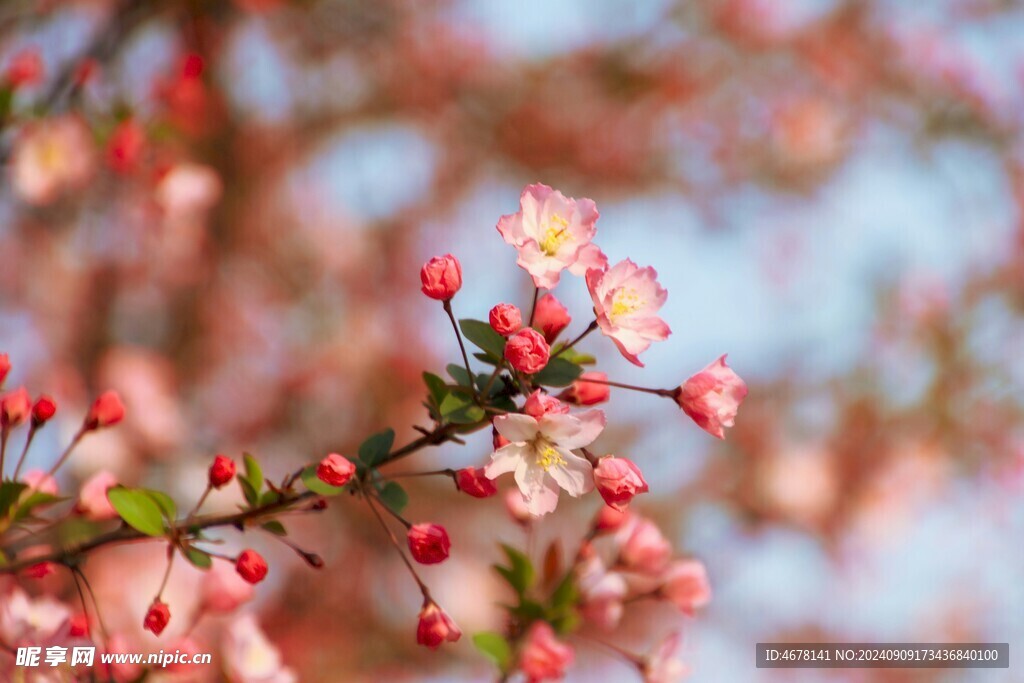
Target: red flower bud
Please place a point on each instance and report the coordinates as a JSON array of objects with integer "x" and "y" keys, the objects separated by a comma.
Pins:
[
  {"x": 505, "y": 319},
  {"x": 79, "y": 626},
  {"x": 15, "y": 407},
  {"x": 441, "y": 277},
  {"x": 618, "y": 480},
  {"x": 106, "y": 410},
  {"x": 5, "y": 367},
  {"x": 610, "y": 519},
  {"x": 435, "y": 627},
  {"x": 550, "y": 317},
  {"x": 44, "y": 408},
  {"x": 38, "y": 571},
  {"x": 157, "y": 617},
  {"x": 538, "y": 404},
  {"x": 474, "y": 482},
  {"x": 335, "y": 470},
  {"x": 125, "y": 147},
  {"x": 428, "y": 543},
  {"x": 222, "y": 471},
  {"x": 25, "y": 68},
  {"x": 584, "y": 393},
  {"x": 527, "y": 351},
  {"x": 251, "y": 566}
]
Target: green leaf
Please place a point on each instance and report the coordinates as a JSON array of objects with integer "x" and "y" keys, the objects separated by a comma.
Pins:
[
  {"x": 460, "y": 375},
  {"x": 198, "y": 558},
  {"x": 559, "y": 372},
  {"x": 34, "y": 500},
  {"x": 253, "y": 473},
  {"x": 565, "y": 595},
  {"x": 269, "y": 498},
  {"x": 275, "y": 527},
  {"x": 10, "y": 491},
  {"x": 573, "y": 356},
  {"x": 494, "y": 647},
  {"x": 394, "y": 496},
  {"x": 436, "y": 386},
  {"x": 486, "y": 358},
  {"x": 377, "y": 447},
  {"x": 167, "y": 506},
  {"x": 460, "y": 409},
  {"x": 251, "y": 496},
  {"x": 138, "y": 509},
  {"x": 483, "y": 335},
  {"x": 316, "y": 485},
  {"x": 519, "y": 574}
]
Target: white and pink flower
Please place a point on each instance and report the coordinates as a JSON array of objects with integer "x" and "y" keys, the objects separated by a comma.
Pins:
[
  {"x": 540, "y": 453},
  {"x": 712, "y": 397},
  {"x": 552, "y": 232},
  {"x": 627, "y": 299},
  {"x": 250, "y": 657},
  {"x": 662, "y": 665}
]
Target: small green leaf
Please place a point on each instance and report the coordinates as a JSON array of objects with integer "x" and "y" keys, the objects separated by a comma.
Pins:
[
  {"x": 460, "y": 409},
  {"x": 519, "y": 574},
  {"x": 275, "y": 527},
  {"x": 314, "y": 484},
  {"x": 494, "y": 647},
  {"x": 198, "y": 558},
  {"x": 483, "y": 335},
  {"x": 459, "y": 374},
  {"x": 138, "y": 509},
  {"x": 573, "y": 356},
  {"x": 10, "y": 491},
  {"x": 436, "y": 386},
  {"x": 269, "y": 498},
  {"x": 394, "y": 496},
  {"x": 248, "y": 491},
  {"x": 377, "y": 447},
  {"x": 486, "y": 358},
  {"x": 167, "y": 506},
  {"x": 34, "y": 500},
  {"x": 565, "y": 595},
  {"x": 558, "y": 373},
  {"x": 253, "y": 473}
]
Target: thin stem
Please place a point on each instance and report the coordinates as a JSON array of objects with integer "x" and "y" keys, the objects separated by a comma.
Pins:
[
  {"x": 401, "y": 520},
  {"x": 462, "y": 347},
  {"x": 448, "y": 472},
  {"x": 590, "y": 328},
  {"x": 95, "y": 604},
  {"x": 533, "y": 308},
  {"x": 67, "y": 451},
  {"x": 24, "y": 451},
  {"x": 4, "y": 433},
  {"x": 199, "y": 503},
  {"x": 394, "y": 541},
  {"x": 657, "y": 392},
  {"x": 167, "y": 572}
]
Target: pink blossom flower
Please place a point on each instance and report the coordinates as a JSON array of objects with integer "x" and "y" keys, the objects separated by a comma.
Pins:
[
  {"x": 50, "y": 157},
  {"x": 538, "y": 404},
  {"x": 610, "y": 519},
  {"x": 618, "y": 480},
  {"x": 552, "y": 232},
  {"x": 40, "y": 481},
  {"x": 540, "y": 454},
  {"x": 544, "y": 657},
  {"x": 505, "y": 319},
  {"x": 435, "y": 627},
  {"x": 585, "y": 393},
  {"x": 686, "y": 585},
  {"x": 642, "y": 546},
  {"x": 15, "y": 407},
  {"x": 188, "y": 191},
  {"x": 517, "y": 508},
  {"x": 602, "y": 593},
  {"x": 441, "y": 277},
  {"x": 106, "y": 410},
  {"x": 712, "y": 397},
  {"x": 250, "y": 657},
  {"x": 662, "y": 665},
  {"x": 527, "y": 351},
  {"x": 24, "y": 619},
  {"x": 550, "y": 317},
  {"x": 223, "y": 590},
  {"x": 627, "y": 299},
  {"x": 92, "y": 501}
]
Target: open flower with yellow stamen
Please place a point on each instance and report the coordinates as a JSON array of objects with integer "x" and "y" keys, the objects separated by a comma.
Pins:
[
  {"x": 540, "y": 454},
  {"x": 553, "y": 232},
  {"x": 626, "y": 300}
]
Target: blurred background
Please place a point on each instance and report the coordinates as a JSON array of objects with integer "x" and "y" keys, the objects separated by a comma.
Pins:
[{"x": 220, "y": 209}]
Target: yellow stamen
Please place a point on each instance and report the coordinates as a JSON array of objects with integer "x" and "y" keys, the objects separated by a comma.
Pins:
[
  {"x": 555, "y": 234},
  {"x": 625, "y": 301},
  {"x": 547, "y": 456}
]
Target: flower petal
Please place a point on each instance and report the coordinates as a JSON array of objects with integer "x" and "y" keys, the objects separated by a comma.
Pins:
[
  {"x": 505, "y": 460},
  {"x": 516, "y": 427},
  {"x": 576, "y": 475}
]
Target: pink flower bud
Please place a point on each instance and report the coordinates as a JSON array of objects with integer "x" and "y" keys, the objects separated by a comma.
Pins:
[
  {"x": 497, "y": 440},
  {"x": 222, "y": 471},
  {"x": 584, "y": 393},
  {"x": 550, "y": 317},
  {"x": 474, "y": 482},
  {"x": 544, "y": 657},
  {"x": 428, "y": 543},
  {"x": 40, "y": 481},
  {"x": 610, "y": 519},
  {"x": 618, "y": 480},
  {"x": 106, "y": 410},
  {"x": 157, "y": 617},
  {"x": 644, "y": 548},
  {"x": 441, "y": 277},
  {"x": 125, "y": 147},
  {"x": 44, "y": 409},
  {"x": 92, "y": 501},
  {"x": 527, "y": 351},
  {"x": 686, "y": 585},
  {"x": 538, "y": 404},
  {"x": 25, "y": 68},
  {"x": 5, "y": 367},
  {"x": 251, "y": 566},
  {"x": 712, "y": 397},
  {"x": 505, "y": 319},
  {"x": 335, "y": 470},
  {"x": 223, "y": 590},
  {"x": 435, "y": 627},
  {"x": 15, "y": 408}
]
